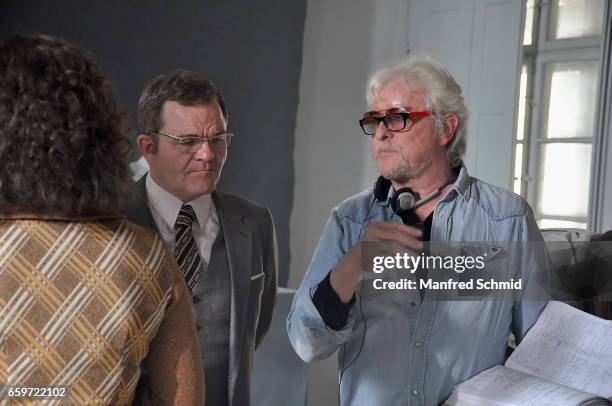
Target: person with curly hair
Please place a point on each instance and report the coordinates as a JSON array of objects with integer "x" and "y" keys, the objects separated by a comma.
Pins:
[{"x": 87, "y": 299}]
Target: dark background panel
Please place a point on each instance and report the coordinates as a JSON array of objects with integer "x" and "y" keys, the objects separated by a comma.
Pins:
[{"x": 251, "y": 50}]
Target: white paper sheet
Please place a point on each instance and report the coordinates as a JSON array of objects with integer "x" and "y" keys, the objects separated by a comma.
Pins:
[
  {"x": 569, "y": 347},
  {"x": 501, "y": 386}
]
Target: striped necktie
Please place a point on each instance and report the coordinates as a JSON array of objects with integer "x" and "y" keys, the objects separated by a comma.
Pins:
[{"x": 185, "y": 248}]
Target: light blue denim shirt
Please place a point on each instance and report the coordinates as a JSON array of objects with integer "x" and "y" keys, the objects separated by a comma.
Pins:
[{"x": 415, "y": 353}]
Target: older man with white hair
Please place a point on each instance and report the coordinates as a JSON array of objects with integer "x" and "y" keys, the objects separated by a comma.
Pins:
[{"x": 413, "y": 348}]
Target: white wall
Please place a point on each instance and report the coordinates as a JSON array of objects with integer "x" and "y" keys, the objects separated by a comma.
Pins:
[
  {"x": 479, "y": 43},
  {"x": 344, "y": 40}
]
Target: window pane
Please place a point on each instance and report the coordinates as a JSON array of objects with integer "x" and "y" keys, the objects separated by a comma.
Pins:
[
  {"x": 517, "y": 186},
  {"x": 570, "y": 94},
  {"x": 551, "y": 223},
  {"x": 563, "y": 186},
  {"x": 528, "y": 34},
  {"x": 520, "y": 128},
  {"x": 575, "y": 18},
  {"x": 518, "y": 161},
  {"x": 518, "y": 168}
]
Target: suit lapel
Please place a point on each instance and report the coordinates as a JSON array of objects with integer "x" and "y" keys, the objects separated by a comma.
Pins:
[
  {"x": 238, "y": 245},
  {"x": 137, "y": 209}
]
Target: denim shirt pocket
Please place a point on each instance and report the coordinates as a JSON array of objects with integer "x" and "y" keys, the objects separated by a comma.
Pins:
[{"x": 492, "y": 260}]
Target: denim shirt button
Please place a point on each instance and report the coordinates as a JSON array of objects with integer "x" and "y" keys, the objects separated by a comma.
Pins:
[{"x": 415, "y": 392}]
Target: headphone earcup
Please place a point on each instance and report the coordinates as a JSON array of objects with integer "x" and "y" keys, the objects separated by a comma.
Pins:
[{"x": 403, "y": 200}]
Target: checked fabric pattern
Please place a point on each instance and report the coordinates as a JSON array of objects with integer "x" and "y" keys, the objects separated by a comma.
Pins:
[
  {"x": 80, "y": 301},
  {"x": 185, "y": 248}
]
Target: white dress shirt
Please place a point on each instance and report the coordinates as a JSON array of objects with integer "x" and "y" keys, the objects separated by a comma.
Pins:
[{"x": 165, "y": 208}]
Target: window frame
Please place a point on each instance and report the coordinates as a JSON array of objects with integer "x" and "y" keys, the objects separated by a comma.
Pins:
[
  {"x": 536, "y": 137},
  {"x": 535, "y": 57},
  {"x": 603, "y": 129}
]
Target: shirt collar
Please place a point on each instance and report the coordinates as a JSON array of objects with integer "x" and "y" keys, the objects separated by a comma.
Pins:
[
  {"x": 461, "y": 185},
  {"x": 387, "y": 201},
  {"x": 168, "y": 205}
]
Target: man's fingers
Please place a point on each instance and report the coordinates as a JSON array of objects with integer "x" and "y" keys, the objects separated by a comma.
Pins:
[
  {"x": 387, "y": 226},
  {"x": 404, "y": 240},
  {"x": 386, "y": 231}
]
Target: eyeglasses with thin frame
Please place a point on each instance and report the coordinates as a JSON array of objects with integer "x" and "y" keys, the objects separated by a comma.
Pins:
[
  {"x": 193, "y": 143},
  {"x": 394, "y": 120}
]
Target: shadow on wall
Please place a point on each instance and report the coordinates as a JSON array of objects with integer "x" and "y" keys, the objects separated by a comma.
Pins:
[{"x": 252, "y": 51}]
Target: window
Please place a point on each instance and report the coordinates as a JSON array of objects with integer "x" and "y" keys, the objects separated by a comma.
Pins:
[{"x": 558, "y": 108}]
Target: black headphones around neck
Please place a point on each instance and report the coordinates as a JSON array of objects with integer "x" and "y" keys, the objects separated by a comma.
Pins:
[{"x": 403, "y": 199}]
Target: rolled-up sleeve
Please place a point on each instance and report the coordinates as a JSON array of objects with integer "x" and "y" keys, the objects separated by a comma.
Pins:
[
  {"x": 329, "y": 305},
  {"x": 310, "y": 337}
]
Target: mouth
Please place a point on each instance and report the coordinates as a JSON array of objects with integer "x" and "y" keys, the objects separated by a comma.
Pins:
[
  {"x": 384, "y": 147},
  {"x": 385, "y": 151},
  {"x": 202, "y": 170}
]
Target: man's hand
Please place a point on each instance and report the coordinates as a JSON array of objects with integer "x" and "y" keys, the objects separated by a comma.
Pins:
[{"x": 345, "y": 275}]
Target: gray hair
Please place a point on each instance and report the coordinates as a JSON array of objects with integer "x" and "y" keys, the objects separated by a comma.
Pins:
[{"x": 443, "y": 94}]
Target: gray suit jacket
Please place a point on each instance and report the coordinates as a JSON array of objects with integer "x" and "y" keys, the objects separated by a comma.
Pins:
[{"x": 250, "y": 239}]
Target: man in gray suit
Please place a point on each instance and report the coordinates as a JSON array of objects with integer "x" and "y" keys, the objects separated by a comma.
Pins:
[{"x": 225, "y": 244}]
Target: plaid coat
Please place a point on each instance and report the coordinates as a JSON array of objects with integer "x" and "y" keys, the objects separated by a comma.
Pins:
[{"x": 81, "y": 302}]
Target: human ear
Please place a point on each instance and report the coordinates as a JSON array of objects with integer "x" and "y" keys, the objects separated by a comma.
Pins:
[
  {"x": 146, "y": 145},
  {"x": 451, "y": 121}
]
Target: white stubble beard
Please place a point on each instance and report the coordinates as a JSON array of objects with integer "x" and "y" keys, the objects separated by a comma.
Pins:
[{"x": 404, "y": 170}]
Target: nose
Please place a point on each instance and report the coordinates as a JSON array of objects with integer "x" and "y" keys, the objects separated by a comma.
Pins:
[
  {"x": 205, "y": 153},
  {"x": 381, "y": 131}
]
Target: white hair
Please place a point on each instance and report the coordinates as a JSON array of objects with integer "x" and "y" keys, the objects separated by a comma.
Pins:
[{"x": 442, "y": 92}]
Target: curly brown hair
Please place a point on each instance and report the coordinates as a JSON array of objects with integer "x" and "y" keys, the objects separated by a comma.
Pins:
[{"x": 63, "y": 139}]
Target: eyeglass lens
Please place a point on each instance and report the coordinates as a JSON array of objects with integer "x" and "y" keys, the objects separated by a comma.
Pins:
[
  {"x": 393, "y": 122},
  {"x": 216, "y": 143}
]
